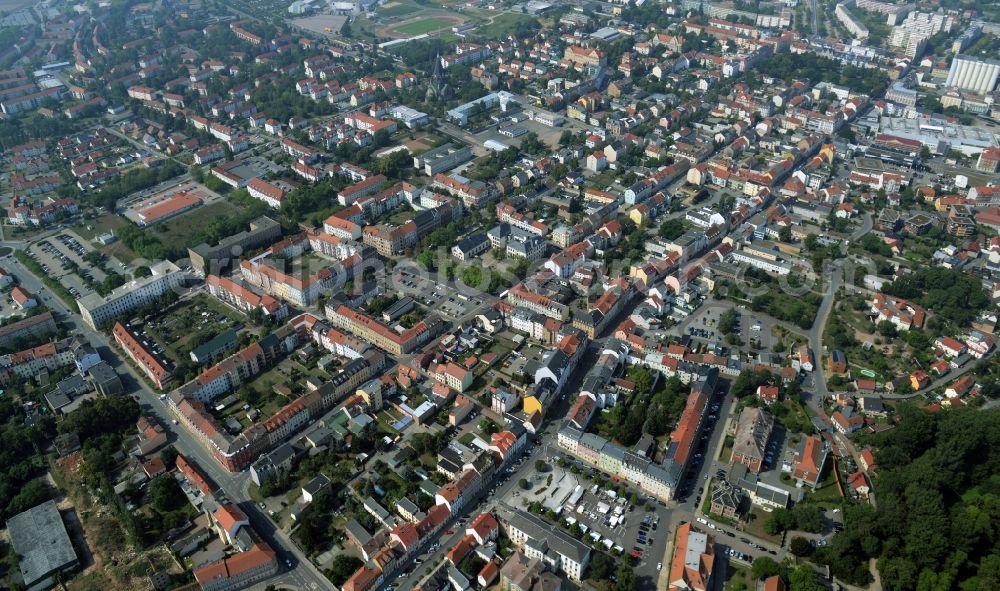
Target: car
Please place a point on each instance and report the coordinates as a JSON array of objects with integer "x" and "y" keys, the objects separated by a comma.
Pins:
[
  {"x": 746, "y": 541},
  {"x": 449, "y": 532},
  {"x": 659, "y": 566},
  {"x": 702, "y": 521},
  {"x": 418, "y": 561},
  {"x": 175, "y": 421}
]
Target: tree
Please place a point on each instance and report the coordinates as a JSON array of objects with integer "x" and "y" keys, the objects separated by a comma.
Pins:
[
  {"x": 472, "y": 276},
  {"x": 801, "y": 547},
  {"x": 887, "y": 329},
  {"x": 780, "y": 520},
  {"x": 765, "y": 566},
  {"x": 601, "y": 567},
  {"x": 748, "y": 381},
  {"x": 804, "y": 578},
  {"x": 785, "y": 234},
  {"x": 165, "y": 494},
  {"x": 808, "y": 518},
  {"x": 524, "y": 484},
  {"x": 727, "y": 322},
  {"x": 427, "y": 260},
  {"x": 626, "y": 578},
  {"x": 34, "y": 493},
  {"x": 488, "y": 427},
  {"x": 343, "y": 566},
  {"x": 530, "y": 144},
  {"x": 671, "y": 229},
  {"x": 541, "y": 466}
]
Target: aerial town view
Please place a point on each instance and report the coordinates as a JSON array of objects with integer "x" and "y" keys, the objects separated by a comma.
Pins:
[{"x": 499, "y": 295}]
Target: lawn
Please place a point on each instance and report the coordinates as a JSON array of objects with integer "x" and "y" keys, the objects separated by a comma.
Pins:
[
  {"x": 755, "y": 525},
  {"x": 106, "y": 222},
  {"x": 423, "y": 26},
  {"x": 188, "y": 229},
  {"x": 506, "y": 23},
  {"x": 828, "y": 493},
  {"x": 739, "y": 578},
  {"x": 397, "y": 9}
]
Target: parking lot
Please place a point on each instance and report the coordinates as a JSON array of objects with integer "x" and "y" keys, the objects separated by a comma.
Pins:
[
  {"x": 56, "y": 257},
  {"x": 605, "y": 518},
  {"x": 442, "y": 299}
]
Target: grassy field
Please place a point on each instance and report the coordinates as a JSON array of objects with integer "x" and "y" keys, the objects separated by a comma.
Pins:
[
  {"x": 397, "y": 9},
  {"x": 422, "y": 26},
  {"x": 187, "y": 229},
  {"x": 106, "y": 222},
  {"x": 505, "y": 23},
  {"x": 739, "y": 578}
]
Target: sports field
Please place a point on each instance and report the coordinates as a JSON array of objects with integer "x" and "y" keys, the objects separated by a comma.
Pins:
[{"x": 425, "y": 25}]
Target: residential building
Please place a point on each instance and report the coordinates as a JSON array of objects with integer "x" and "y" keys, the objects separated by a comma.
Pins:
[
  {"x": 810, "y": 461},
  {"x": 539, "y": 540},
  {"x": 753, "y": 432},
  {"x": 97, "y": 311},
  {"x": 693, "y": 562}
]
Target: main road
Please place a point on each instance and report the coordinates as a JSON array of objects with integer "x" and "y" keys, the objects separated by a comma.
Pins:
[{"x": 303, "y": 574}]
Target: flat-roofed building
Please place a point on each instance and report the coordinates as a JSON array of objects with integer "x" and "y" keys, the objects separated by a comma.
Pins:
[
  {"x": 97, "y": 311},
  {"x": 39, "y": 539}
]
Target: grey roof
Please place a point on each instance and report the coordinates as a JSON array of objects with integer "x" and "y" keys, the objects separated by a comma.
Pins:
[
  {"x": 39, "y": 537},
  {"x": 357, "y": 531},
  {"x": 753, "y": 432},
  {"x": 669, "y": 473},
  {"x": 471, "y": 242},
  {"x": 102, "y": 373},
  {"x": 429, "y": 488},
  {"x": 541, "y": 534},
  {"x": 73, "y": 385},
  {"x": 57, "y": 399},
  {"x": 772, "y": 494},
  {"x": 215, "y": 345},
  {"x": 281, "y": 454},
  {"x": 406, "y": 505},
  {"x": 727, "y": 495},
  {"x": 708, "y": 382},
  {"x": 379, "y": 512},
  {"x": 613, "y": 451},
  {"x": 571, "y": 433},
  {"x": 316, "y": 484},
  {"x": 635, "y": 461},
  {"x": 593, "y": 441},
  {"x": 872, "y": 404}
]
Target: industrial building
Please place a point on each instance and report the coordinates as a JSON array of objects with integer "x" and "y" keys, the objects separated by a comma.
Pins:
[
  {"x": 973, "y": 74},
  {"x": 39, "y": 539}
]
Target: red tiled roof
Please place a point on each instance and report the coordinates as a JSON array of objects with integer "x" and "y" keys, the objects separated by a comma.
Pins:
[{"x": 228, "y": 516}]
